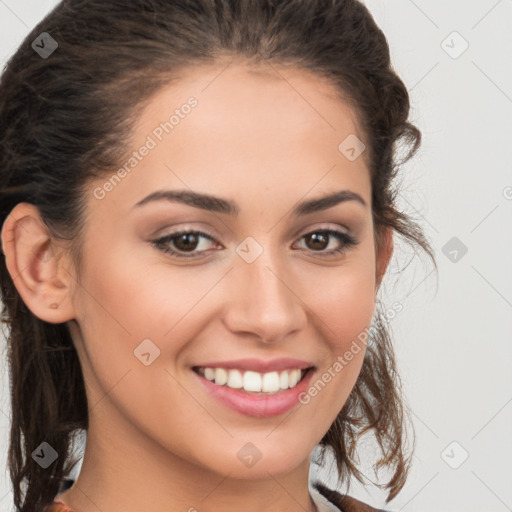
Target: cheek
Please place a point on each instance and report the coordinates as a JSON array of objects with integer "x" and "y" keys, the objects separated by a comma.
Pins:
[
  {"x": 120, "y": 309},
  {"x": 128, "y": 307},
  {"x": 343, "y": 302},
  {"x": 343, "y": 305},
  {"x": 351, "y": 312},
  {"x": 128, "y": 294}
]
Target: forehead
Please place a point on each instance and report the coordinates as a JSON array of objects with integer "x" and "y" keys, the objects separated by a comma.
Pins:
[
  {"x": 231, "y": 129},
  {"x": 270, "y": 93}
]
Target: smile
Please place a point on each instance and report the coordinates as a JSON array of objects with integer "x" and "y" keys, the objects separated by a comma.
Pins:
[
  {"x": 253, "y": 382},
  {"x": 238, "y": 389}
]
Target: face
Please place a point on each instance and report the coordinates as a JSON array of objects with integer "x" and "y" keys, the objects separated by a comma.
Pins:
[{"x": 171, "y": 286}]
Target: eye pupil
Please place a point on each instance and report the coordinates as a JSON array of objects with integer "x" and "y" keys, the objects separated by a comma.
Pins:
[
  {"x": 186, "y": 237},
  {"x": 316, "y": 237}
]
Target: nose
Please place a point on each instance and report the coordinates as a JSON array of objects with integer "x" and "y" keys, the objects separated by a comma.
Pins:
[{"x": 263, "y": 302}]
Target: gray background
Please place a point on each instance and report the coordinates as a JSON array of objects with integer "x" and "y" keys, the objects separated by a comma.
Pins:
[{"x": 453, "y": 341}]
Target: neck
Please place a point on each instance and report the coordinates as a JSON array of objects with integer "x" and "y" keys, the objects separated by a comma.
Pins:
[{"x": 131, "y": 473}]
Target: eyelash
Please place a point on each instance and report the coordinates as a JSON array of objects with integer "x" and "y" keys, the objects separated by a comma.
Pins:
[{"x": 162, "y": 243}]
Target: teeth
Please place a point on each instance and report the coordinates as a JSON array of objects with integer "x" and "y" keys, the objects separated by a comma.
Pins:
[
  {"x": 293, "y": 379},
  {"x": 252, "y": 381},
  {"x": 284, "y": 380},
  {"x": 221, "y": 376},
  {"x": 255, "y": 382},
  {"x": 209, "y": 373},
  {"x": 234, "y": 379},
  {"x": 271, "y": 382}
]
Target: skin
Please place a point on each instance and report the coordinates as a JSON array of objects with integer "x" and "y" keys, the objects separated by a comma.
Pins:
[{"x": 265, "y": 141}]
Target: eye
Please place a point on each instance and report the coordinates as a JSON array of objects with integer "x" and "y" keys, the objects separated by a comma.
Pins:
[
  {"x": 184, "y": 241},
  {"x": 321, "y": 238},
  {"x": 189, "y": 241}
]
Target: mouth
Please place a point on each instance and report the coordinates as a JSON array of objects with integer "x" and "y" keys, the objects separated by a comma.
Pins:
[
  {"x": 254, "y": 383},
  {"x": 256, "y": 394}
]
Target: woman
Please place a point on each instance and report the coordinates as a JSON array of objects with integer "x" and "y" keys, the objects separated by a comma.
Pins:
[{"x": 198, "y": 209}]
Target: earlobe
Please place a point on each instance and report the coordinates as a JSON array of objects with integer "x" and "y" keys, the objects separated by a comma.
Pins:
[{"x": 36, "y": 264}]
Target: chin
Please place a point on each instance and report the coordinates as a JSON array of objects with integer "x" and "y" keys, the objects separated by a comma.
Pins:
[{"x": 253, "y": 463}]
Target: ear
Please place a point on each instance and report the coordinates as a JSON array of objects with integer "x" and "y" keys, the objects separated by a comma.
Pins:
[
  {"x": 383, "y": 253},
  {"x": 37, "y": 265}
]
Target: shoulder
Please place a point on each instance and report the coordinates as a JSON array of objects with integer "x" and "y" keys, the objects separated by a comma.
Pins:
[
  {"x": 57, "y": 506},
  {"x": 343, "y": 502}
]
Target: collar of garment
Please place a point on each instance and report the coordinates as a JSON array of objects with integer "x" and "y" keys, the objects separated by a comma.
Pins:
[{"x": 322, "y": 503}]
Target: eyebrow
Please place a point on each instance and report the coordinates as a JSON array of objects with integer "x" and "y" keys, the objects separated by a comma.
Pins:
[{"x": 228, "y": 207}]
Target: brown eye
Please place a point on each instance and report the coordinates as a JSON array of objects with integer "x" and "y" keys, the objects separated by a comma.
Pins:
[
  {"x": 184, "y": 242},
  {"x": 318, "y": 241}
]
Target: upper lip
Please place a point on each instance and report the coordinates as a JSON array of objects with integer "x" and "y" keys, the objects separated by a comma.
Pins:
[{"x": 259, "y": 365}]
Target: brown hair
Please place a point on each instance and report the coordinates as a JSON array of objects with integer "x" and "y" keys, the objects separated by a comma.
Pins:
[{"x": 67, "y": 119}]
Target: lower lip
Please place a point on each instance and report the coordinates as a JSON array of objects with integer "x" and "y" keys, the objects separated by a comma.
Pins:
[{"x": 258, "y": 406}]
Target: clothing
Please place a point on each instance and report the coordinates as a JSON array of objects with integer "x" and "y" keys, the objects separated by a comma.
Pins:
[
  {"x": 336, "y": 501},
  {"x": 321, "y": 502},
  {"x": 326, "y": 500},
  {"x": 57, "y": 506}
]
